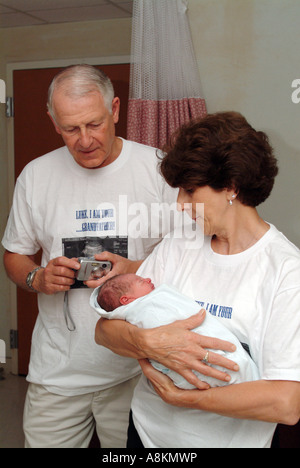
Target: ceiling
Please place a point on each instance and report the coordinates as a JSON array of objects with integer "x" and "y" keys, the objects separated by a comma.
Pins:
[{"x": 14, "y": 13}]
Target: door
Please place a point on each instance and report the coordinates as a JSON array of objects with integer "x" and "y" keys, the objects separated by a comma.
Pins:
[{"x": 34, "y": 135}]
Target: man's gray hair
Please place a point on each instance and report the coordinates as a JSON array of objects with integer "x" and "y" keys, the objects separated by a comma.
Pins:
[{"x": 79, "y": 80}]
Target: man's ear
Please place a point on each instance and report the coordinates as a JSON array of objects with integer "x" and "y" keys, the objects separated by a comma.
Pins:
[
  {"x": 116, "y": 109},
  {"x": 124, "y": 300},
  {"x": 55, "y": 124}
]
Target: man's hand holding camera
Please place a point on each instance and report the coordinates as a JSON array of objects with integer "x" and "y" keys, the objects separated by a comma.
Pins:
[
  {"x": 57, "y": 276},
  {"x": 60, "y": 273}
]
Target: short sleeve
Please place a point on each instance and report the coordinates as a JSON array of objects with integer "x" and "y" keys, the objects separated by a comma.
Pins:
[{"x": 19, "y": 236}]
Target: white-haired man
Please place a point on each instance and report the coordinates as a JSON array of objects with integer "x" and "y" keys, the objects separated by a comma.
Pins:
[{"x": 72, "y": 197}]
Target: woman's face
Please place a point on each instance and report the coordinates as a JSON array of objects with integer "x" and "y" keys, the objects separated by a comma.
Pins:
[{"x": 207, "y": 207}]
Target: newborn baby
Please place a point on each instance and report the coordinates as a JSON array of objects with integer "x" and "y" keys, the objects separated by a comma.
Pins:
[{"x": 135, "y": 299}]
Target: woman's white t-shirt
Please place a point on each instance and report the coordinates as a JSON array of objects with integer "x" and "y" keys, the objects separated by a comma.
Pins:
[{"x": 256, "y": 294}]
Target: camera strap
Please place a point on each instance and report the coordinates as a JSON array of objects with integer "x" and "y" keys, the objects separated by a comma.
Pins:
[{"x": 69, "y": 321}]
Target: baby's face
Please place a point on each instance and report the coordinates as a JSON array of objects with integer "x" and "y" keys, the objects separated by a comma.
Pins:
[{"x": 141, "y": 286}]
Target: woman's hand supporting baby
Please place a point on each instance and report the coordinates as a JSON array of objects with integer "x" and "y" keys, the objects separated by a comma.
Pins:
[{"x": 175, "y": 346}]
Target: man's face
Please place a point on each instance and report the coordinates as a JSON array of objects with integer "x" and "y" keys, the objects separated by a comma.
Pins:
[{"x": 87, "y": 128}]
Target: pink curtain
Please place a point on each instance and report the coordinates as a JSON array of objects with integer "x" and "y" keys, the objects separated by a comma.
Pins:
[
  {"x": 152, "y": 122},
  {"x": 165, "y": 90}
]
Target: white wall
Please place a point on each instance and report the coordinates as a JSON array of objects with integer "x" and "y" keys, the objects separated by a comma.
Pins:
[{"x": 248, "y": 56}]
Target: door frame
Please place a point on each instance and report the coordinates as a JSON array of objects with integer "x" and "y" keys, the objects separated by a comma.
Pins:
[{"x": 10, "y": 68}]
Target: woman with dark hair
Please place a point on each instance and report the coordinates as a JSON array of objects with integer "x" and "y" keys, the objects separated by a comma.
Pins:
[
  {"x": 246, "y": 273},
  {"x": 222, "y": 151}
]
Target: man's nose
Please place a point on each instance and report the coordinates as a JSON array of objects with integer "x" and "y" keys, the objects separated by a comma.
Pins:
[{"x": 85, "y": 138}]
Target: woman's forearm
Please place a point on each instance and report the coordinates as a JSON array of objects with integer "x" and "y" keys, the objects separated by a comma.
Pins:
[
  {"x": 271, "y": 401},
  {"x": 120, "y": 337}
]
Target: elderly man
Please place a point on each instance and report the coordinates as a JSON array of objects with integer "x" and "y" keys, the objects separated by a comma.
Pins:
[{"x": 72, "y": 202}]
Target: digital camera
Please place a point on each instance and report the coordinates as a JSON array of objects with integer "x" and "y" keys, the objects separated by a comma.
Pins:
[{"x": 91, "y": 269}]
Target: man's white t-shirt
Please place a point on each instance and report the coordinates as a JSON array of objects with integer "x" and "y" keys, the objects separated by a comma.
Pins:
[
  {"x": 64, "y": 208},
  {"x": 256, "y": 295}
]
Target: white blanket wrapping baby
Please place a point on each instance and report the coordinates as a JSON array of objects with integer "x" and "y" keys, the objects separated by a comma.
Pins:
[{"x": 163, "y": 306}]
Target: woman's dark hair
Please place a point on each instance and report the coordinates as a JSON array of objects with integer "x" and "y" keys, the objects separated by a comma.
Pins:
[{"x": 222, "y": 151}]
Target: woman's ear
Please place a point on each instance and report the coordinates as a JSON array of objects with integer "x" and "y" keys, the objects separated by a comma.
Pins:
[{"x": 231, "y": 195}]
